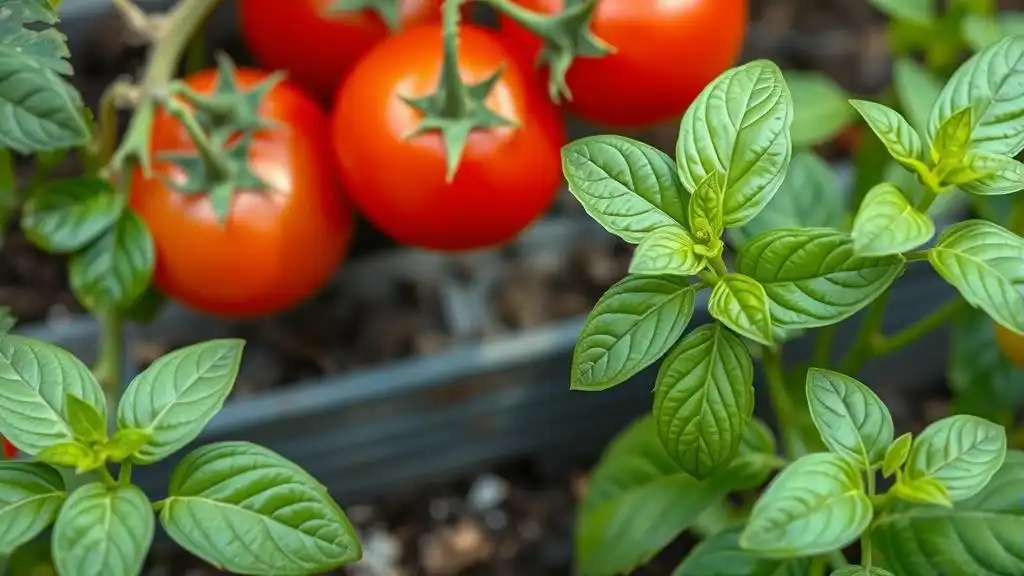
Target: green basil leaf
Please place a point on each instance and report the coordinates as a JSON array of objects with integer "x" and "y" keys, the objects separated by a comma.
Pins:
[
  {"x": 983, "y": 381},
  {"x": 87, "y": 423},
  {"x": 983, "y": 535},
  {"x": 983, "y": 262},
  {"x": 703, "y": 399},
  {"x": 962, "y": 452},
  {"x": 820, "y": 111},
  {"x": 35, "y": 379},
  {"x": 917, "y": 89},
  {"x": 812, "y": 276},
  {"x": 667, "y": 250},
  {"x": 888, "y": 224},
  {"x": 981, "y": 31},
  {"x": 278, "y": 519},
  {"x": 30, "y": 496},
  {"x": 926, "y": 490},
  {"x": 631, "y": 326},
  {"x": 628, "y": 187},
  {"x": 953, "y": 137},
  {"x": 996, "y": 174},
  {"x": 852, "y": 420},
  {"x": 75, "y": 455},
  {"x": 125, "y": 443},
  {"x": 113, "y": 271},
  {"x": 990, "y": 83},
  {"x": 917, "y": 11},
  {"x": 739, "y": 126},
  {"x": 41, "y": 110},
  {"x": 707, "y": 205},
  {"x": 756, "y": 458},
  {"x": 65, "y": 215},
  {"x": 741, "y": 303},
  {"x": 810, "y": 197},
  {"x": 899, "y": 137},
  {"x": 896, "y": 454},
  {"x": 861, "y": 571},
  {"x": 103, "y": 531},
  {"x": 622, "y": 522},
  {"x": 721, "y": 555},
  {"x": 816, "y": 505},
  {"x": 177, "y": 396}
]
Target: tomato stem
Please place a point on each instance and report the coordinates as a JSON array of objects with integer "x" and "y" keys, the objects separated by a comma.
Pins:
[
  {"x": 389, "y": 11},
  {"x": 108, "y": 367},
  {"x": 215, "y": 165}
]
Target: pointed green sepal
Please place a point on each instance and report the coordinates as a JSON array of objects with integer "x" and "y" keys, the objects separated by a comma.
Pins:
[
  {"x": 389, "y": 11},
  {"x": 229, "y": 108}
]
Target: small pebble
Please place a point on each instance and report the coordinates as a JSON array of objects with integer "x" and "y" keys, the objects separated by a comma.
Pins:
[{"x": 487, "y": 493}]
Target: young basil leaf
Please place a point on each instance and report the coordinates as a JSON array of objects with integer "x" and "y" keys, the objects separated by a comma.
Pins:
[
  {"x": 113, "y": 271},
  {"x": 983, "y": 535},
  {"x": 896, "y": 454},
  {"x": 743, "y": 117},
  {"x": 995, "y": 174},
  {"x": 990, "y": 83},
  {"x": 35, "y": 379},
  {"x": 917, "y": 11},
  {"x": 953, "y": 137},
  {"x": 632, "y": 485},
  {"x": 981, "y": 31},
  {"x": 888, "y": 224},
  {"x": 177, "y": 396},
  {"x": 629, "y": 187},
  {"x": 917, "y": 90},
  {"x": 703, "y": 399},
  {"x": 861, "y": 571},
  {"x": 721, "y": 555},
  {"x": 983, "y": 262},
  {"x": 631, "y": 326},
  {"x": 899, "y": 137},
  {"x": 852, "y": 420},
  {"x": 812, "y": 276},
  {"x": 740, "y": 303},
  {"x": 707, "y": 204},
  {"x": 667, "y": 250},
  {"x": 962, "y": 452},
  {"x": 74, "y": 455},
  {"x": 283, "y": 521},
  {"x": 820, "y": 111},
  {"x": 926, "y": 490},
  {"x": 124, "y": 444},
  {"x": 87, "y": 423},
  {"x": 65, "y": 215},
  {"x": 103, "y": 531},
  {"x": 810, "y": 196},
  {"x": 30, "y": 496},
  {"x": 816, "y": 505}
]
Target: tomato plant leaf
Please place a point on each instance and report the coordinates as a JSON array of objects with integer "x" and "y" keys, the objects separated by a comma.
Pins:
[
  {"x": 982, "y": 535},
  {"x": 178, "y": 395},
  {"x": 810, "y": 196},
  {"x": 35, "y": 380},
  {"x": 704, "y": 399},
  {"x": 721, "y": 555},
  {"x": 631, "y": 326},
  {"x": 924, "y": 490},
  {"x": 65, "y": 215},
  {"x": 896, "y": 454},
  {"x": 816, "y": 505},
  {"x": 953, "y": 137},
  {"x": 30, "y": 496},
  {"x": 996, "y": 174},
  {"x": 741, "y": 303},
  {"x": 103, "y": 531},
  {"x": 852, "y": 420},
  {"x": 87, "y": 423},
  {"x": 113, "y": 271},
  {"x": 668, "y": 250},
  {"x": 278, "y": 519},
  {"x": 962, "y": 452},
  {"x": 887, "y": 223},
  {"x": 42, "y": 43},
  {"x": 990, "y": 83},
  {"x": 983, "y": 262},
  {"x": 812, "y": 275},
  {"x": 739, "y": 126},
  {"x": 899, "y": 137},
  {"x": 917, "y": 89},
  {"x": 820, "y": 111},
  {"x": 917, "y": 11},
  {"x": 622, "y": 521},
  {"x": 629, "y": 187}
]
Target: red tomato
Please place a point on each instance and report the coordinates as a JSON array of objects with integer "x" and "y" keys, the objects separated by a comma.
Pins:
[
  {"x": 275, "y": 247},
  {"x": 315, "y": 48},
  {"x": 507, "y": 176},
  {"x": 665, "y": 53},
  {"x": 10, "y": 451}
]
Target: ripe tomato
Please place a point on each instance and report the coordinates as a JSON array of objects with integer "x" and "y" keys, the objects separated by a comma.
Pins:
[
  {"x": 315, "y": 47},
  {"x": 9, "y": 451},
  {"x": 665, "y": 53},
  {"x": 1011, "y": 344},
  {"x": 276, "y": 247},
  {"x": 507, "y": 176}
]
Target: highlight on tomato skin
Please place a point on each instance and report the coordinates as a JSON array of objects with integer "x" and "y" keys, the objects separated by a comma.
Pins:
[
  {"x": 507, "y": 177},
  {"x": 276, "y": 247},
  {"x": 665, "y": 54}
]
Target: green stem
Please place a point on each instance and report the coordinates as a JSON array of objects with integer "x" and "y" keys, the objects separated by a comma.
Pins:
[
  {"x": 453, "y": 97},
  {"x": 8, "y": 183},
  {"x": 883, "y": 345},
  {"x": 783, "y": 408},
  {"x": 111, "y": 358},
  {"x": 857, "y": 355},
  {"x": 865, "y": 538},
  {"x": 718, "y": 265},
  {"x": 823, "y": 346},
  {"x": 536, "y": 22},
  {"x": 837, "y": 560},
  {"x": 217, "y": 166},
  {"x": 927, "y": 199},
  {"x": 916, "y": 255},
  {"x": 124, "y": 475},
  {"x": 106, "y": 477}
]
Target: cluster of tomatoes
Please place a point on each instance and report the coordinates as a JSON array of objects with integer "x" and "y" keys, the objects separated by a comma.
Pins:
[{"x": 349, "y": 137}]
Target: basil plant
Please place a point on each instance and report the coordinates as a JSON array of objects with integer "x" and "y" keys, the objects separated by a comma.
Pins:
[{"x": 847, "y": 495}]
